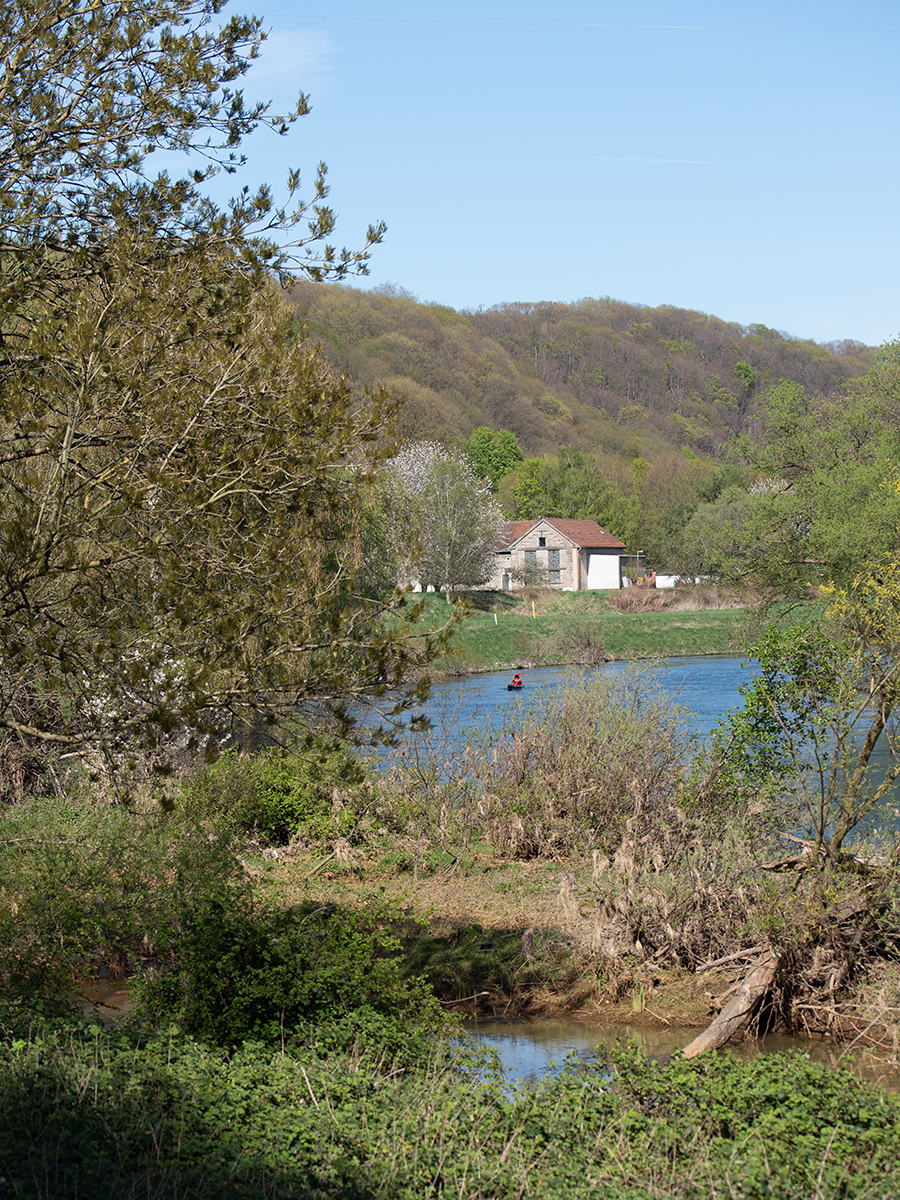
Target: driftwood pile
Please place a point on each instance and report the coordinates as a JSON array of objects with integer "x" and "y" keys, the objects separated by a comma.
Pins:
[{"x": 813, "y": 983}]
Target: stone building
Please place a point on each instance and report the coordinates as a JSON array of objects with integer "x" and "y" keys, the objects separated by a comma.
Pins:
[{"x": 577, "y": 555}]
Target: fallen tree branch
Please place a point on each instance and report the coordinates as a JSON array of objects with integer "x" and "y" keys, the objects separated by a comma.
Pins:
[
  {"x": 720, "y": 962},
  {"x": 801, "y": 863},
  {"x": 738, "y": 1012},
  {"x": 811, "y": 849}
]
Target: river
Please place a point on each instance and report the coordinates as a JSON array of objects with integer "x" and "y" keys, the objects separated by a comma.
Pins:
[
  {"x": 533, "y": 1050},
  {"x": 706, "y": 688}
]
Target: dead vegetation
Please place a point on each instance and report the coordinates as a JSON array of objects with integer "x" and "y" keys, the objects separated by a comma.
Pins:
[
  {"x": 690, "y": 598},
  {"x": 660, "y": 866}
]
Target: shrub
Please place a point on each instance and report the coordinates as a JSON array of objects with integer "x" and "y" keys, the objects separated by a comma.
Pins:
[
  {"x": 277, "y": 795},
  {"x": 570, "y": 770},
  {"x": 88, "y": 885},
  {"x": 332, "y": 977},
  {"x": 112, "y": 1116},
  {"x": 637, "y": 599}
]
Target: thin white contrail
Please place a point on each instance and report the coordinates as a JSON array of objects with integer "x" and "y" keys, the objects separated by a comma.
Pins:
[
  {"x": 689, "y": 162},
  {"x": 587, "y": 24}
]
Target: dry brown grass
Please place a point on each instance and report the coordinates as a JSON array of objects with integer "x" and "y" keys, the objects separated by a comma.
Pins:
[{"x": 681, "y": 599}]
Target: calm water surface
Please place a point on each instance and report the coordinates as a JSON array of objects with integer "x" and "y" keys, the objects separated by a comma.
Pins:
[
  {"x": 533, "y": 1050},
  {"x": 706, "y": 687}
]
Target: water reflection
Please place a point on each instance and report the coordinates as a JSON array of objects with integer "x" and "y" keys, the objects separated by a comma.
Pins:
[{"x": 533, "y": 1050}]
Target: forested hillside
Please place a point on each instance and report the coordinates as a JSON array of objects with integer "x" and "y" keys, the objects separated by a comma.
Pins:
[
  {"x": 622, "y": 412},
  {"x": 600, "y": 375}
]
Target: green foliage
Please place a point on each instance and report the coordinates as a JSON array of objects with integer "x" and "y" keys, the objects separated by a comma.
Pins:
[
  {"x": 85, "y": 886},
  {"x": 791, "y": 700},
  {"x": 277, "y": 794},
  {"x": 711, "y": 486},
  {"x": 318, "y": 975},
  {"x": 492, "y": 453},
  {"x": 788, "y": 1126},
  {"x": 167, "y": 1115},
  {"x": 743, "y": 373},
  {"x": 181, "y": 476},
  {"x": 814, "y": 714},
  {"x": 824, "y": 503},
  {"x": 470, "y": 958},
  {"x": 112, "y": 1114},
  {"x": 572, "y": 485},
  {"x": 713, "y": 541}
]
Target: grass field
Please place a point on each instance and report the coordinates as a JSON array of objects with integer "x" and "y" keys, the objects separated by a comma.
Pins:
[{"x": 535, "y": 627}]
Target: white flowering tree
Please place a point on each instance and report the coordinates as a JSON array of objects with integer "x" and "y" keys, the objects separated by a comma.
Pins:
[{"x": 442, "y": 520}]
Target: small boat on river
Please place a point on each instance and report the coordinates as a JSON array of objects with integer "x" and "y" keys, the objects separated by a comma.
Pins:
[{"x": 516, "y": 683}]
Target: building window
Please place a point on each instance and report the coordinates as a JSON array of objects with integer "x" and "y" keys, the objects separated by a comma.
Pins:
[
  {"x": 542, "y": 541},
  {"x": 553, "y": 559},
  {"x": 553, "y": 577},
  {"x": 530, "y": 557}
]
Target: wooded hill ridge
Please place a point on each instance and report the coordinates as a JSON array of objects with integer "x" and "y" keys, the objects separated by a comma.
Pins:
[{"x": 614, "y": 379}]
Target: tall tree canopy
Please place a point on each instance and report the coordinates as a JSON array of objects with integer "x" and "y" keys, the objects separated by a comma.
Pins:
[
  {"x": 824, "y": 501},
  {"x": 440, "y": 518},
  {"x": 180, "y": 476},
  {"x": 88, "y": 93},
  {"x": 492, "y": 453}
]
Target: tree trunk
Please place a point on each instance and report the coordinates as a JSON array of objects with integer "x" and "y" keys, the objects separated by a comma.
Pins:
[
  {"x": 739, "y": 1010},
  {"x": 849, "y": 815}
]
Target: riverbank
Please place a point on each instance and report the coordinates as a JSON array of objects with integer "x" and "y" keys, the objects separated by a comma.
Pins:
[
  {"x": 534, "y": 627},
  {"x": 285, "y": 1044},
  {"x": 311, "y": 935},
  {"x": 498, "y": 939}
]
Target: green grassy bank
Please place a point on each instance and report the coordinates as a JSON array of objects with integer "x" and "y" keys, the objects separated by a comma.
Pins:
[{"x": 537, "y": 627}]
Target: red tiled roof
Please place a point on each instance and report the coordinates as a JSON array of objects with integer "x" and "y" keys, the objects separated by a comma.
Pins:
[
  {"x": 587, "y": 534},
  {"x": 511, "y": 531}
]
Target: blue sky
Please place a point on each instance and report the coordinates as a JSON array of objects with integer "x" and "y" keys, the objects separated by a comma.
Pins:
[{"x": 739, "y": 159}]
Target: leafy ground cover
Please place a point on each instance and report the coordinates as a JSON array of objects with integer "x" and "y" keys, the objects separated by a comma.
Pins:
[{"x": 90, "y": 1112}]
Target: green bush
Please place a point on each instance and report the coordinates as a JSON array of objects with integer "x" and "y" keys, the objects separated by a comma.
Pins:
[
  {"x": 81, "y": 886},
  {"x": 114, "y": 1115},
  {"x": 322, "y": 975},
  {"x": 277, "y": 795}
]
